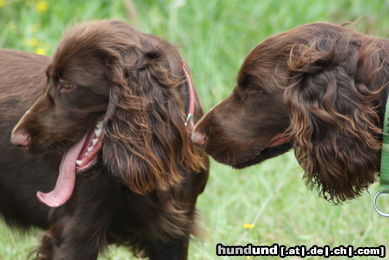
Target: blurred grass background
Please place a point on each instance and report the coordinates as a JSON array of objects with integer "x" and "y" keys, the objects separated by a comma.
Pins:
[{"x": 262, "y": 205}]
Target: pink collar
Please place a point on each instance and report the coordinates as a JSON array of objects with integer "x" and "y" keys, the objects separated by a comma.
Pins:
[{"x": 189, "y": 118}]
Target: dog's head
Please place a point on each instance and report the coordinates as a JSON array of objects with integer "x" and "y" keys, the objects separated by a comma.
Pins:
[{"x": 315, "y": 88}]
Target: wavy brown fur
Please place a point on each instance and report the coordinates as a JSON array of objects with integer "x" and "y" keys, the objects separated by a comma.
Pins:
[{"x": 332, "y": 96}]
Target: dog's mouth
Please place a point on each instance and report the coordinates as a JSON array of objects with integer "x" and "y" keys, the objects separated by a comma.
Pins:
[
  {"x": 79, "y": 158},
  {"x": 279, "y": 144},
  {"x": 91, "y": 148}
]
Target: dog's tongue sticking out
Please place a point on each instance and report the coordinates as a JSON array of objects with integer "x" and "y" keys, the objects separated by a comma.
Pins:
[
  {"x": 66, "y": 178},
  {"x": 79, "y": 157}
]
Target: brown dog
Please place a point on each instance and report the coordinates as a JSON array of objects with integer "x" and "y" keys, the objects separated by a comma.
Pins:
[
  {"x": 319, "y": 88},
  {"x": 114, "y": 103}
]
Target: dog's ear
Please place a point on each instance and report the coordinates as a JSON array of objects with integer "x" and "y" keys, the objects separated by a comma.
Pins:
[
  {"x": 331, "y": 96},
  {"x": 146, "y": 146}
]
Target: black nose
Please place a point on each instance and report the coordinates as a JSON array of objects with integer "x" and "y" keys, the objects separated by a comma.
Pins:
[{"x": 199, "y": 138}]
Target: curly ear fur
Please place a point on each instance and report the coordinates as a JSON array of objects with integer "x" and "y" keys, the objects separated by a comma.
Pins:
[
  {"x": 332, "y": 97},
  {"x": 146, "y": 145}
]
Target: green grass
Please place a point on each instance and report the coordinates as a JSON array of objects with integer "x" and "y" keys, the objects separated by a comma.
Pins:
[{"x": 214, "y": 37}]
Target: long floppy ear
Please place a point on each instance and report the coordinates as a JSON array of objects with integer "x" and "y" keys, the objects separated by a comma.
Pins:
[
  {"x": 146, "y": 145},
  {"x": 332, "y": 98}
]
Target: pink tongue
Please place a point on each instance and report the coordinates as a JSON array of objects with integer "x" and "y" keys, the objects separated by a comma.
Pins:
[{"x": 66, "y": 178}]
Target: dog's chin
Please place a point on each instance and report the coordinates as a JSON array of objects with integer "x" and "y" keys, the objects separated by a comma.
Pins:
[{"x": 266, "y": 153}]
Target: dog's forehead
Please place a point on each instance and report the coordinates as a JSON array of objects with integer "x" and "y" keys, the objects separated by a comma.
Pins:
[{"x": 82, "y": 70}]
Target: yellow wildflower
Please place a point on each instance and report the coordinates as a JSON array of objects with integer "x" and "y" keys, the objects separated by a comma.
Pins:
[
  {"x": 3, "y": 3},
  {"x": 42, "y": 6},
  {"x": 32, "y": 42},
  {"x": 248, "y": 226},
  {"x": 40, "y": 51}
]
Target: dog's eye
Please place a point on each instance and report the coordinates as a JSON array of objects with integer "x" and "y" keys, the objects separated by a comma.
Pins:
[
  {"x": 63, "y": 88},
  {"x": 261, "y": 91}
]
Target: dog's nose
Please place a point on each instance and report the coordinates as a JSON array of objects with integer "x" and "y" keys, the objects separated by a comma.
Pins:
[
  {"x": 21, "y": 138},
  {"x": 199, "y": 138}
]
